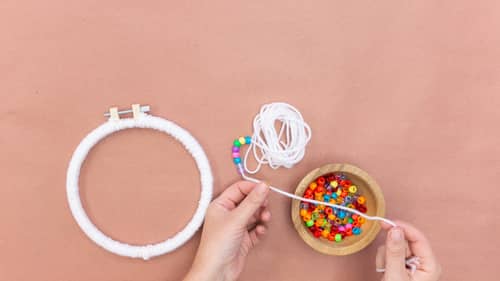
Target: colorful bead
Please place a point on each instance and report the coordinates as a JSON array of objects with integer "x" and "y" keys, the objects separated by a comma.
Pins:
[
  {"x": 356, "y": 231},
  {"x": 248, "y": 140},
  {"x": 236, "y": 143},
  {"x": 338, "y": 237},
  {"x": 303, "y": 212},
  {"x": 236, "y": 149},
  {"x": 237, "y": 160},
  {"x": 236, "y": 154},
  {"x": 313, "y": 185},
  {"x": 325, "y": 222},
  {"x": 321, "y": 181},
  {"x": 242, "y": 140}
]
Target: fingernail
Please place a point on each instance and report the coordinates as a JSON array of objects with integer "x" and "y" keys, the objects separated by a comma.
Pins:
[
  {"x": 261, "y": 187},
  {"x": 396, "y": 234}
]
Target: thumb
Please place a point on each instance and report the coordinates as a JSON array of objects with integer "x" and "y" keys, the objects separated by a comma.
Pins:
[
  {"x": 252, "y": 203},
  {"x": 395, "y": 254}
]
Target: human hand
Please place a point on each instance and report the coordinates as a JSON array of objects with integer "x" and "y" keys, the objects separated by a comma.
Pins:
[
  {"x": 234, "y": 224},
  {"x": 402, "y": 242}
]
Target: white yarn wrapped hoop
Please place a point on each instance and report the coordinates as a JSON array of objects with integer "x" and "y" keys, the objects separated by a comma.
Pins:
[{"x": 142, "y": 121}]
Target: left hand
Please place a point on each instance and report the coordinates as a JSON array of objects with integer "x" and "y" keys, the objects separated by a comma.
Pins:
[{"x": 234, "y": 224}]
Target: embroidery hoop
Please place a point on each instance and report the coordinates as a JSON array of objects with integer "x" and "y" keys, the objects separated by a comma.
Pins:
[{"x": 140, "y": 120}]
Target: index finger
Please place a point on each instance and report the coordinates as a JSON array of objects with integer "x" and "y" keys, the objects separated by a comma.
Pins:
[{"x": 234, "y": 194}]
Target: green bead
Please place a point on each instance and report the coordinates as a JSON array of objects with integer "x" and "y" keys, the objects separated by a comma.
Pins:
[
  {"x": 237, "y": 143},
  {"x": 338, "y": 237},
  {"x": 309, "y": 223},
  {"x": 350, "y": 220}
]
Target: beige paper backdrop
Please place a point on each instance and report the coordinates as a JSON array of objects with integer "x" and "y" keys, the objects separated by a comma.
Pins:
[{"x": 407, "y": 90}]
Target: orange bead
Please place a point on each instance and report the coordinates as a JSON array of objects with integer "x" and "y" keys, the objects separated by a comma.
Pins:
[
  {"x": 325, "y": 233},
  {"x": 313, "y": 185},
  {"x": 331, "y": 217},
  {"x": 303, "y": 212}
]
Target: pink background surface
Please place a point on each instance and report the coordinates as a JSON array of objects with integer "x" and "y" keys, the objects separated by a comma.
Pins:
[{"x": 409, "y": 91}]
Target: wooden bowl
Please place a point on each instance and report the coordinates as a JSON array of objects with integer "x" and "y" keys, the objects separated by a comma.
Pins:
[{"x": 375, "y": 205}]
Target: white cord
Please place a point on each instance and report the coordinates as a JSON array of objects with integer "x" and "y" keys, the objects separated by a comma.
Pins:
[{"x": 285, "y": 147}]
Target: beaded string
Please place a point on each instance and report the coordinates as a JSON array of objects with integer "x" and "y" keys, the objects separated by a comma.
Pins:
[
  {"x": 283, "y": 148},
  {"x": 286, "y": 148}
]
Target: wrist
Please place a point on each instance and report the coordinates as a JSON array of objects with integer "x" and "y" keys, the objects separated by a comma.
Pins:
[{"x": 205, "y": 269}]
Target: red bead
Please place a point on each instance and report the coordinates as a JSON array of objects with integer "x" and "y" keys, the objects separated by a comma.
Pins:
[
  {"x": 362, "y": 208},
  {"x": 320, "y": 189},
  {"x": 321, "y": 181},
  {"x": 317, "y": 233},
  {"x": 308, "y": 192},
  {"x": 345, "y": 183}
]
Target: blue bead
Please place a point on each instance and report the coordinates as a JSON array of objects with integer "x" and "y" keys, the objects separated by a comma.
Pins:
[
  {"x": 356, "y": 231},
  {"x": 248, "y": 140},
  {"x": 237, "y": 160},
  {"x": 343, "y": 177},
  {"x": 326, "y": 198},
  {"x": 342, "y": 214},
  {"x": 334, "y": 195}
]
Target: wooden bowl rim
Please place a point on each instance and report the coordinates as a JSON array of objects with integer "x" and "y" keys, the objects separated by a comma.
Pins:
[{"x": 319, "y": 244}]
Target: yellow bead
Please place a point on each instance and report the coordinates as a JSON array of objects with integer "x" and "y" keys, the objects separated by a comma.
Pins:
[
  {"x": 334, "y": 184},
  {"x": 242, "y": 140},
  {"x": 353, "y": 189},
  {"x": 339, "y": 192}
]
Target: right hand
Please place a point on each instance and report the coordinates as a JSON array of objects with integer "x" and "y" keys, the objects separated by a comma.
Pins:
[{"x": 404, "y": 241}]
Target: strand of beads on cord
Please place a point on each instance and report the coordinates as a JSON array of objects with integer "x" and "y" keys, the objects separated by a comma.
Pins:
[{"x": 283, "y": 148}]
